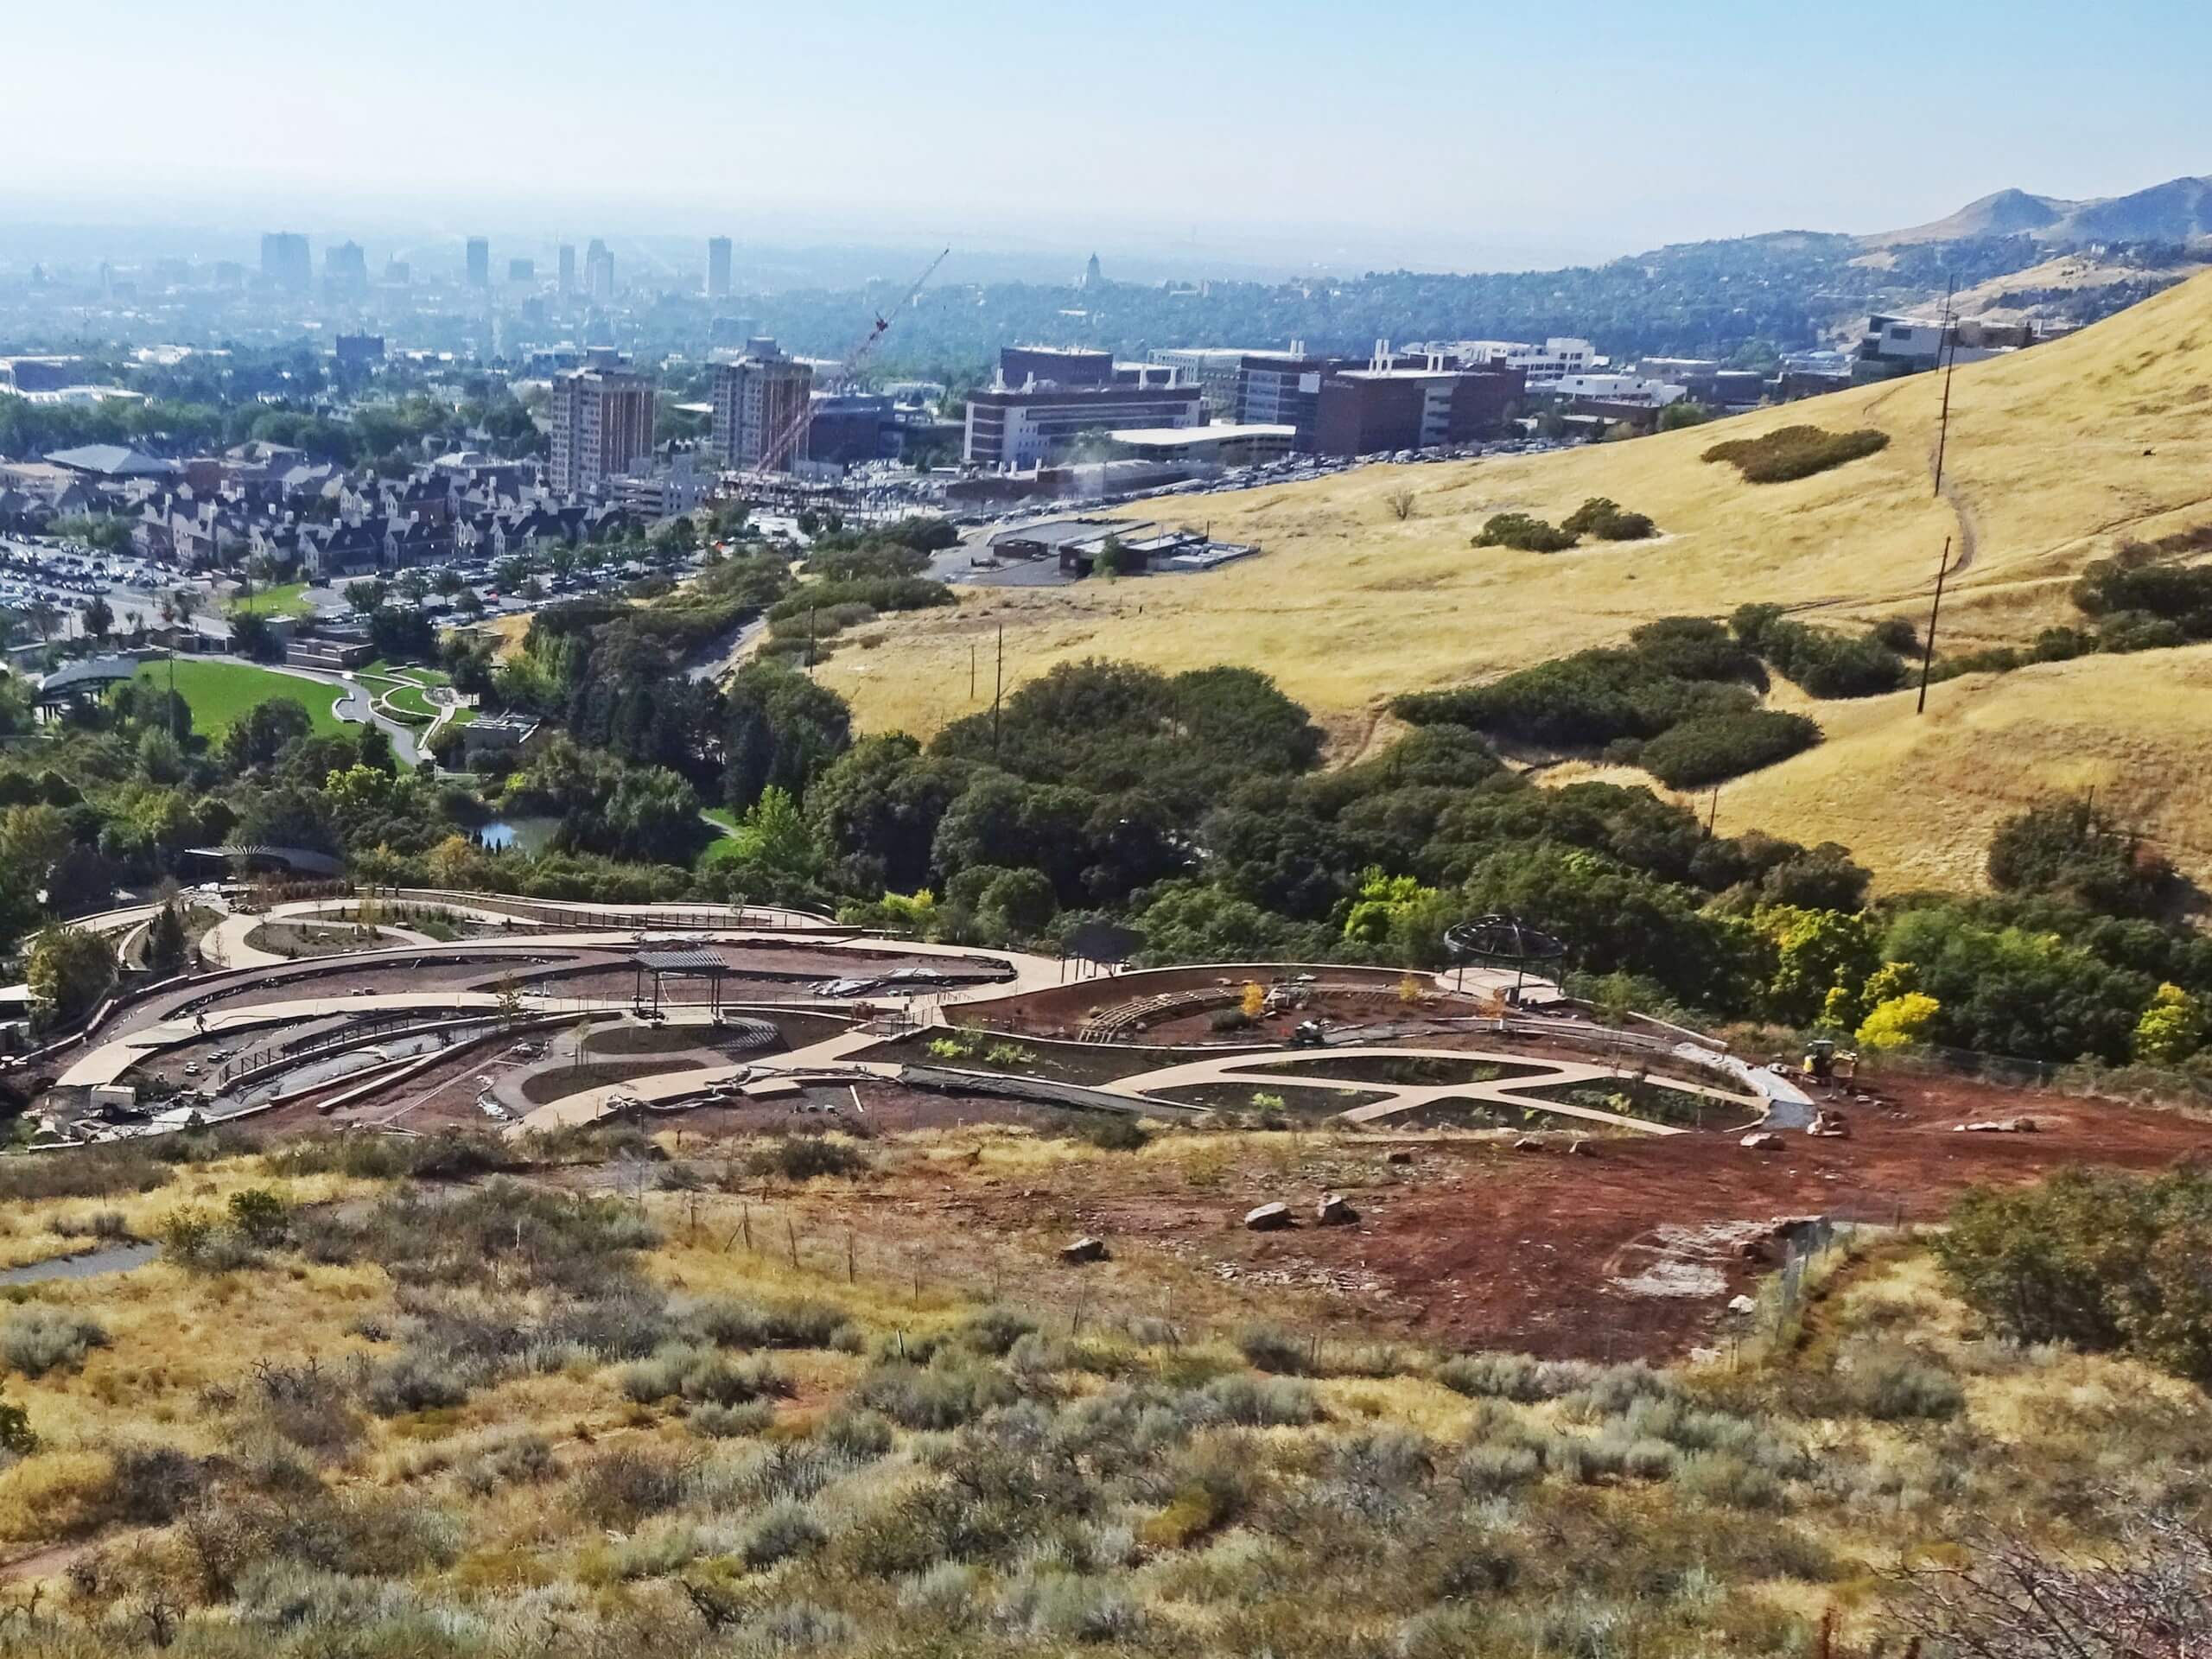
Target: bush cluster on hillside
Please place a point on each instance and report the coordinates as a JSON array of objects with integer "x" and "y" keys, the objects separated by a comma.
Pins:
[
  {"x": 2105, "y": 1262},
  {"x": 1609, "y": 521},
  {"x": 1824, "y": 661},
  {"x": 1796, "y": 452},
  {"x": 1527, "y": 533},
  {"x": 1606, "y": 520},
  {"x": 1713, "y": 747}
]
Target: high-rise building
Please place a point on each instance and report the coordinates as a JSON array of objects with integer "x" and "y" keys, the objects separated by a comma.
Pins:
[
  {"x": 345, "y": 270},
  {"x": 399, "y": 272},
  {"x": 717, "y": 267},
  {"x": 480, "y": 263},
  {"x": 521, "y": 271},
  {"x": 598, "y": 272},
  {"x": 568, "y": 269},
  {"x": 758, "y": 399},
  {"x": 284, "y": 261},
  {"x": 603, "y": 424}
]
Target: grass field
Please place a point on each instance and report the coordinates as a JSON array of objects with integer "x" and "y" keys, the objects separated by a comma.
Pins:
[
  {"x": 221, "y": 693},
  {"x": 2054, "y": 456},
  {"x": 281, "y": 599}
]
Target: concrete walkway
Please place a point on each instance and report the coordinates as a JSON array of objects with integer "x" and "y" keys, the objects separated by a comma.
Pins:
[{"x": 1260, "y": 1071}]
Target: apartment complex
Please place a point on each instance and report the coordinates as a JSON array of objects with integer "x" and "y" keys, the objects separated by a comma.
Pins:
[
  {"x": 602, "y": 424},
  {"x": 758, "y": 399}
]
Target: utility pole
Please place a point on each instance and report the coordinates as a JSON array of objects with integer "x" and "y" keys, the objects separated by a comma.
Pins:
[
  {"x": 998, "y": 693},
  {"x": 1945, "y": 340},
  {"x": 1927, "y": 647}
]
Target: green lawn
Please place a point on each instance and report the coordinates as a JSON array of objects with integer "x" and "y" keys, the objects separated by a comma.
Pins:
[
  {"x": 283, "y": 599},
  {"x": 221, "y": 693}
]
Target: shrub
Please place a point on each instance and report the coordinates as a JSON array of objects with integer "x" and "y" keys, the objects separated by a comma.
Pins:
[
  {"x": 39, "y": 1339},
  {"x": 1824, "y": 662},
  {"x": 701, "y": 1375},
  {"x": 1891, "y": 1387},
  {"x": 803, "y": 1157},
  {"x": 92, "y": 1172},
  {"x": 788, "y": 1529},
  {"x": 151, "y": 1485},
  {"x": 412, "y": 1382},
  {"x": 623, "y": 1488},
  {"x": 259, "y": 1216},
  {"x": 1114, "y": 1132},
  {"x": 1606, "y": 520},
  {"x": 1793, "y": 452},
  {"x": 1270, "y": 1348},
  {"x": 801, "y": 1322},
  {"x": 2101, "y": 1260},
  {"x": 995, "y": 1329},
  {"x": 1717, "y": 746},
  {"x": 1520, "y": 530},
  {"x": 730, "y": 1422},
  {"x": 1263, "y": 1402},
  {"x": 939, "y": 1397}
]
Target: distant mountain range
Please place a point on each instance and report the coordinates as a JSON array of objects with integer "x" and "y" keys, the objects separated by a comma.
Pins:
[{"x": 2179, "y": 210}]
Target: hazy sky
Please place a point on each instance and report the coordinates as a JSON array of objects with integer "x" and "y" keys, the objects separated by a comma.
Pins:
[{"x": 1422, "y": 132}]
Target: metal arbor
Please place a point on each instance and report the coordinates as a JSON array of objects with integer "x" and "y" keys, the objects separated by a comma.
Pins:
[{"x": 1498, "y": 939}]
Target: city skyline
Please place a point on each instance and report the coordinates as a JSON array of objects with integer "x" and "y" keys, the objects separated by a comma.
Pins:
[{"x": 1907, "y": 119}]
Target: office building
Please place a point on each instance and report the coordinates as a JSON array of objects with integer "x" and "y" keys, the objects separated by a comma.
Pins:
[
  {"x": 1216, "y": 370},
  {"x": 480, "y": 263},
  {"x": 521, "y": 271},
  {"x": 1540, "y": 366},
  {"x": 1036, "y": 422},
  {"x": 598, "y": 272},
  {"x": 358, "y": 351},
  {"x": 285, "y": 262},
  {"x": 717, "y": 267},
  {"x": 1282, "y": 389},
  {"x": 568, "y": 269},
  {"x": 759, "y": 399},
  {"x": 602, "y": 422},
  {"x": 398, "y": 273},
  {"x": 345, "y": 270},
  {"x": 1386, "y": 407},
  {"x": 1054, "y": 366}
]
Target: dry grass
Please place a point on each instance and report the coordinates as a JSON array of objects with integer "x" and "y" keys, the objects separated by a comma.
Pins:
[
  {"x": 29, "y": 1229},
  {"x": 1916, "y": 797},
  {"x": 2056, "y": 454},
  {"x": 1725, "y": 1498}
]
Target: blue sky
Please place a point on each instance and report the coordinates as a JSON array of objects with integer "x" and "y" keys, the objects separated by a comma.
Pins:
[{"x": 1413, "y": 131}]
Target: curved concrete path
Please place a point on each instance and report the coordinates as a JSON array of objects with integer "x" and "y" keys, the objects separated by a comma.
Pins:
[{"x": 1259, "y": 1070}]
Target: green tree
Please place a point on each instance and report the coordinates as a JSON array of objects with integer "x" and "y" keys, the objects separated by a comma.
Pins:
[
  {"x": 366, "y": 598},
  {"x": 165, "y": 940},
  {"x": 98, "y": 617},
  {"x": 2171, "y": 1028},
  {"x": 1899, "y": 1022},
  {"x": 69, "y": 970}
]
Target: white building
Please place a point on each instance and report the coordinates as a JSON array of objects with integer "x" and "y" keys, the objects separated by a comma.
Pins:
[
  {"x": 1555, "y": 358},
  {"x": 1627, "y": 388}
]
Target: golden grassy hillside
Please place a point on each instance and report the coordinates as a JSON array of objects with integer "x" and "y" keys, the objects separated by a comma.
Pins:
[
  {"x": 2055, "y": 453},
  {"x": 1916, "y": 797}
]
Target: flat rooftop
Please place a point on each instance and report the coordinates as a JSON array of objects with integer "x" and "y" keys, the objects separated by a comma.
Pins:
[{"x": 1213, "y": 434}]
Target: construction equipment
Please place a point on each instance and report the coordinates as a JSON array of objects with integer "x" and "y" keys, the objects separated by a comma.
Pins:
[
  {"x": 777, "y": 454},
  {"x": 1824, "y": 1065}
]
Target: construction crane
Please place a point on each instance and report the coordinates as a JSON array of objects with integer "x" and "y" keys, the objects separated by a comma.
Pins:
[{"x": 778, "y": 453}]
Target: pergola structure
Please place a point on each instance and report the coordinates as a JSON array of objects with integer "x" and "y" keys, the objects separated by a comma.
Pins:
[
  {"x": 1499, "y": 939},
  {"x": 694, "y": 963}
]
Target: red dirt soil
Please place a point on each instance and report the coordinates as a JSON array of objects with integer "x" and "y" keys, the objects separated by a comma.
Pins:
[{"x": 1476, "y": 1246}]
